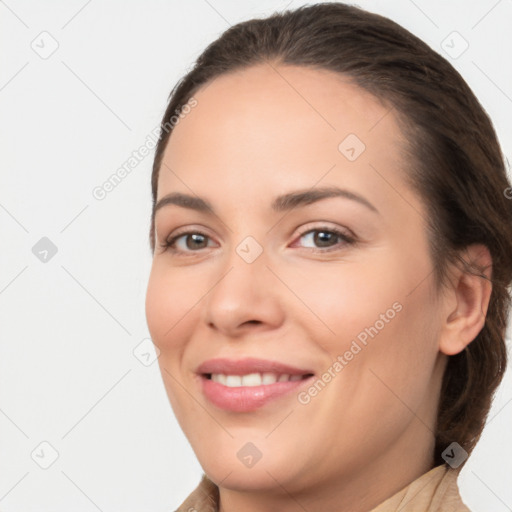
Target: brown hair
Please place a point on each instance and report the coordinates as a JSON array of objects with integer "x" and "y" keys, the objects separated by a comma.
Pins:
[{"x": 456, "y": 164}]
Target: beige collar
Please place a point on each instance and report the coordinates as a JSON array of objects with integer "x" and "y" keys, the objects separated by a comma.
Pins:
[{"x": 434, "y": 491}]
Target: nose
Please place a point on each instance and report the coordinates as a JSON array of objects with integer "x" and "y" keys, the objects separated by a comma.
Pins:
[{"x": 245, "y": 296}]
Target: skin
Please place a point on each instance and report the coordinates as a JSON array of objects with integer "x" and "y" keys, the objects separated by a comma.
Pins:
[{"x": 255, "y": 134}]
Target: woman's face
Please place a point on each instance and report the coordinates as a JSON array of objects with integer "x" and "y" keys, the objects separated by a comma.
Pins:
[{"x": 263, "y": 275}]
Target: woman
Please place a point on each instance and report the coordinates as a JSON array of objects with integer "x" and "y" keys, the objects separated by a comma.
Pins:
[{"x": 332, "y": 247}]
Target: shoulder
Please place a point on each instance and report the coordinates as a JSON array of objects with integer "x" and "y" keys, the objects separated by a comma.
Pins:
[
  {"x": 446, "y": 497},
  {"x": 434, "y": 491},
  {"x": 204, "y": 498}
]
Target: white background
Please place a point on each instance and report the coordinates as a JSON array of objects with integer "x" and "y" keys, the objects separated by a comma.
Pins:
[{"x": 68, "y": 374}]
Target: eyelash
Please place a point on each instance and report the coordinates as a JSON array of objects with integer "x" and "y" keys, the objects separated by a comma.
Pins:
[{"x": 169, "y": 245}]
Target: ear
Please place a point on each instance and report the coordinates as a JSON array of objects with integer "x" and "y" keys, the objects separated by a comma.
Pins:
[{"x": 466, "y": 302}]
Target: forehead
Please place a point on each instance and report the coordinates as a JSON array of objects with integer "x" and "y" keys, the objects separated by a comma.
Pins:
[{"x": 262, "y": 128}]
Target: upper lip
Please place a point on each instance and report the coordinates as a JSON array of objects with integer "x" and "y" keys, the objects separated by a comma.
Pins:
[{"x": 248, "y": 365}]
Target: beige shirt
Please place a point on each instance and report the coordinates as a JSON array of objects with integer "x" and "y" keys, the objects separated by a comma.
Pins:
[{"x": 434, "y": 491}]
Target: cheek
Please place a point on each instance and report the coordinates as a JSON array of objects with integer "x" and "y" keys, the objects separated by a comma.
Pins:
[
  {"x": 396, "y": 362},
  {"x": 156, "y": 308},
  {"x": 345, "y": 299},
  {"x": 376, "y": 316},
  {"x": 169, "y": 308},
  {"x": 170, "y": 318}
]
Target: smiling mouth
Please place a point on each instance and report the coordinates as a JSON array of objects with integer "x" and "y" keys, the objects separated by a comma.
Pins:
[
  {"x": 253, "y": 379},
  {"x": 248, "y": 384},
  {"x": 250, "y": 391}
]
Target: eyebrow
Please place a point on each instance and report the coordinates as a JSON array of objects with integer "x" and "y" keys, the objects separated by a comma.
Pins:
[{"x": 281, "y": 203}]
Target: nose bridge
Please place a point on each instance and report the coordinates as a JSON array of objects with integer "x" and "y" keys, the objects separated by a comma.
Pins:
[
  {"x": 249, "y": 250},
  {"x": 245, "y": 268},
  {"x": 242, "y": 291}
]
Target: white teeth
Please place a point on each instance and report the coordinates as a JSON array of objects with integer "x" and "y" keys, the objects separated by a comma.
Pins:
[
  {"x": 252, "y": 379},
  {"x": 219, "y": 377},
  {"x": 233, "y": 381},
  {"x": 269, "y": 378}
]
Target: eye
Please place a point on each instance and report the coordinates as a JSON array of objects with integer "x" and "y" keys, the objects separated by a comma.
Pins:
[
  {"x": 326, "y": 238},
  {"x": 189, "y": 241}
]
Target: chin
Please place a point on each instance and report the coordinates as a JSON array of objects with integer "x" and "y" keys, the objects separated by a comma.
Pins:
[{"x": 248, "y": 468}]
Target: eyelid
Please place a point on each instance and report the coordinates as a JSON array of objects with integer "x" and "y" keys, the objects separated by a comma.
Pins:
[
  {"x": 171, "y": 239},
  {"x": 346, "y": 235},
  {"x": 324, "y": 225},
  {"x": 189, "y": 229}
]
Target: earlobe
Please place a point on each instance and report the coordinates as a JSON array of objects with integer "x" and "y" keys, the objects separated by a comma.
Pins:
[{"x": 467, "y": 302}]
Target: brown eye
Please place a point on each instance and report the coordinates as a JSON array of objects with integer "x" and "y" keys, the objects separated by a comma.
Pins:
[
  {"x": 195, "y": 241},
  {"x": 191, "y": 241},
  {"x": 326, "y": 238}
]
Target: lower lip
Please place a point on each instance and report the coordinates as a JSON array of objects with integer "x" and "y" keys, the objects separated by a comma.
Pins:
[{"x": 247, "y": 398}]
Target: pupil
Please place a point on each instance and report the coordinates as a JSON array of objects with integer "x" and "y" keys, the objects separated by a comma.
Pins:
[
  {"x": 197, "y": 238},
  {"x": 322, "y": 237}
]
